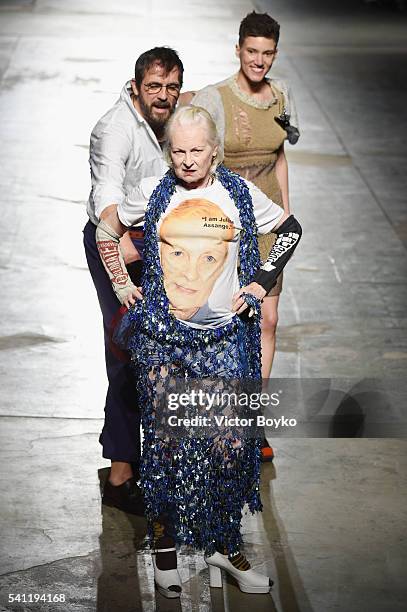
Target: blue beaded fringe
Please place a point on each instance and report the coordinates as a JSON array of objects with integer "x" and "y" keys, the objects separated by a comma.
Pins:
[{"x": 186, "y": 478}]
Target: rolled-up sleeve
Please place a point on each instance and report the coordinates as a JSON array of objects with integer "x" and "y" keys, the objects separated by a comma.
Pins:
[
  {"x": 292, "y": 109},
  {"x": 131, "y": 210},
  {"x": 289, "y": 102},
  {"x": 109, "y": 152}
]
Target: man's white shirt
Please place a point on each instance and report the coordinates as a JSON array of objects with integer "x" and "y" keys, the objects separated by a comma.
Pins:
[{"x": 123, "y": 151}]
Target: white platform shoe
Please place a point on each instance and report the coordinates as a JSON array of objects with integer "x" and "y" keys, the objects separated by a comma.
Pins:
[
  {"x": 168, "y": 582},
  {"x": 248, "y": 580}
]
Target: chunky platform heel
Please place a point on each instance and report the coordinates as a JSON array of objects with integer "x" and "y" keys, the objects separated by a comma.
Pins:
[
  {"x": 248, "y": 580},
  {"x": 215, "y": 577}
]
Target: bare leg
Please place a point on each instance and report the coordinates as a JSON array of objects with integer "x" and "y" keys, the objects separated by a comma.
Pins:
[
  {"x": 269, "y": 311},
  {"x": 120, "y": 472}
]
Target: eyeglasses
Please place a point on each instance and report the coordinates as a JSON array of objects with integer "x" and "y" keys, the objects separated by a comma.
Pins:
[{"x": 154, "y": 88}]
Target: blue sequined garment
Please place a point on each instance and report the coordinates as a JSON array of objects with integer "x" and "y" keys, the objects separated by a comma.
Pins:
[{"x": 202, "y": 484}]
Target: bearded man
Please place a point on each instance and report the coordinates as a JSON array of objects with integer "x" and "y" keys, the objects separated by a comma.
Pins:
[{"x": 125, "y": 147}]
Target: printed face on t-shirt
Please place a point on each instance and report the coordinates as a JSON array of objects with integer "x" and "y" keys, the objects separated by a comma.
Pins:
[{"x": 194, "y": 246}]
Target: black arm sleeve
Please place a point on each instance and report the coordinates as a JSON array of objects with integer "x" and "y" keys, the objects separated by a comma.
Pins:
[{"x": 288, "y": 236}]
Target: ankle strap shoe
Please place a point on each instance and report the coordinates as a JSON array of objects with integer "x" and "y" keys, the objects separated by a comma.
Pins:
[
  {"x": 167, "y": 582},
  {"x": 166, "y": 576}
]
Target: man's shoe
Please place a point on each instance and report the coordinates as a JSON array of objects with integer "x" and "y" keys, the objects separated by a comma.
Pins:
[{"x": 127, "y": 497}]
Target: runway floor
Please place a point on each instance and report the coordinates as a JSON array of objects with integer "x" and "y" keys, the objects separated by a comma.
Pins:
[{"x": 333, "y": 530}]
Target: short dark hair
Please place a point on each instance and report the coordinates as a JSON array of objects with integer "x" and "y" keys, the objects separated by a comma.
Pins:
[
  {"x": 259, "y": 24},
  {"x": 164, "y": 56}
]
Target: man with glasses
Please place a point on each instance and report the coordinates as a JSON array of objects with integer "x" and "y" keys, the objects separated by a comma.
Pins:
[{"x": 125, "y": 147}]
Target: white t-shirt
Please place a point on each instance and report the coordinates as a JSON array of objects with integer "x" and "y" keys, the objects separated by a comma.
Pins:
[{"x": 199, "y": 236}]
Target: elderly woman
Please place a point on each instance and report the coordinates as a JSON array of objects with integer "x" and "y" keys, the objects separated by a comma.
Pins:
[{"x": 187, "y": 323}]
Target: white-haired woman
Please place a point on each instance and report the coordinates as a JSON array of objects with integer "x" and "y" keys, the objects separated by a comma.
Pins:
[{"x": 186, "y": 323}]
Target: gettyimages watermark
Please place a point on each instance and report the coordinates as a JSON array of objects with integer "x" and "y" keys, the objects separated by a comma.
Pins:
[
  {"x": 288, "y": 407},
  {"x": 237, "y": 405}
]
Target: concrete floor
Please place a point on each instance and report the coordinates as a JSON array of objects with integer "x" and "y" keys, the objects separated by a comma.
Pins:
[{"x": 333, "y": 529}]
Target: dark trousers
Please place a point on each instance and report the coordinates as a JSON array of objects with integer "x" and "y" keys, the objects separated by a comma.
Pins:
[{"x": 120, "y": 436}]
